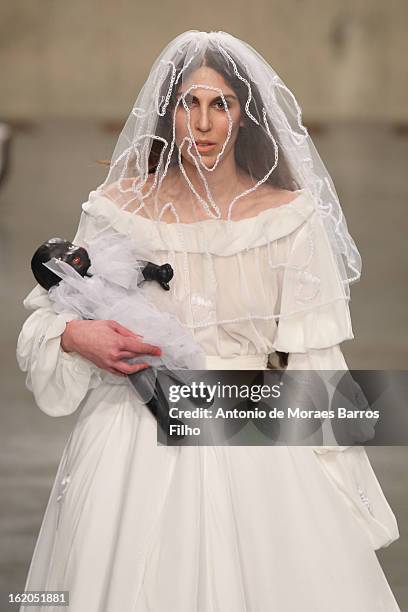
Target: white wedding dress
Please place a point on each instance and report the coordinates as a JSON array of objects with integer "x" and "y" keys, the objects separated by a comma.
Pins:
[{"x": 133, "y": 527}]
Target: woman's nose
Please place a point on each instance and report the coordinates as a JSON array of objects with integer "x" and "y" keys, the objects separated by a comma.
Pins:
[{"x": 203, "y": 122}]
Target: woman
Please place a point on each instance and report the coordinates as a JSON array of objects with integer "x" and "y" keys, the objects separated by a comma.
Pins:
[{"x": 216, "y": 174}]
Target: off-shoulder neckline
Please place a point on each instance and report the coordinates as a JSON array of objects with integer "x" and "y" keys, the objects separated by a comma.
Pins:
[
  {"x": 220, "y": 237},
  {"x": 96, "y": 195}
]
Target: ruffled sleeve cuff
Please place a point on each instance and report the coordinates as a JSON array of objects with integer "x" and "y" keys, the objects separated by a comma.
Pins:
[
  {"x": 313, "y": 307},
  {"x": 322, "y": 326}
]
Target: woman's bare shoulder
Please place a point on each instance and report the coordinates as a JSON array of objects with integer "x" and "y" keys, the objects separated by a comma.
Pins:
[
  {"x": 269, "y": 197},
  {"x": 124, "y": 194},
  {"x": 273, "y": 197}
]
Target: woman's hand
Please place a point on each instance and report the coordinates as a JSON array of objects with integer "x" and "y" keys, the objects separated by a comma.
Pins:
[{"x": 106, "y": 344}]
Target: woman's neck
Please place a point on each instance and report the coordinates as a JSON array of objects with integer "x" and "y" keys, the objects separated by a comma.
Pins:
[{"x": 224, "y": 182}]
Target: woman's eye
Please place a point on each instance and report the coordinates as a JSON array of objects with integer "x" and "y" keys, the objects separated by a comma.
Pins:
[{"x": 189, "y": 100}]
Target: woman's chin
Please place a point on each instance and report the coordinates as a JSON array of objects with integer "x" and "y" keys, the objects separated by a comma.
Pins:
[{"x": 208, "y": 161}]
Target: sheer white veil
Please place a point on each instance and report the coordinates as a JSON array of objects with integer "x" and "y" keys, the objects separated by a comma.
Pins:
[{"x": 272, "y": 147}]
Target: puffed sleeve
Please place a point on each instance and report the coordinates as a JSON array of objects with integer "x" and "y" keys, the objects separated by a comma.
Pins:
[
  {"x": 58, "y": 380},
  {"x": 313, "y": 305},
  {"x": 314, "y": 320}
]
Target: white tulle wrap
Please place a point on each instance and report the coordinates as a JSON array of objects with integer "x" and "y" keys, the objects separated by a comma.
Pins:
[{"x": 115, "y": 291}]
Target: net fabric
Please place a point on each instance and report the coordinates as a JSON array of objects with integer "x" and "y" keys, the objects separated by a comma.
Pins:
[
  {"x": 179, "y": 195},
  {"x": 115, "y": 289}
]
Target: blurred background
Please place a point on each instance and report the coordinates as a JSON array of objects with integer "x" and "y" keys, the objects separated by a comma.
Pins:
[{"x": 70, "y": 75}]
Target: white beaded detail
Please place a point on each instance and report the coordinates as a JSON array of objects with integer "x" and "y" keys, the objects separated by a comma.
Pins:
[
  {"x": 63, "y": 487},
  {"x": 365, "y": 500}
]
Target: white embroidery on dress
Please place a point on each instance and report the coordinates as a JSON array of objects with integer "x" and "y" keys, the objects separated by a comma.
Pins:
[
  {"x": 308, "y": 287},
  {"x": 203, "y": 310},
  {"x": 199, "y": 300},
  {"x": 41, "y": 339}
]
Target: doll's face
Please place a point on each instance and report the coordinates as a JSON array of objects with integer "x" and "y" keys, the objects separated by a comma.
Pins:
[
  {"x": 76, "y": 256},
  {"x": 206, "y": 116}
]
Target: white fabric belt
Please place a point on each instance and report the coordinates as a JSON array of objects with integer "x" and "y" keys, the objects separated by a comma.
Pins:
[
  {"x": 240, "y": 362},
  {"x": 213, "y": 362}
]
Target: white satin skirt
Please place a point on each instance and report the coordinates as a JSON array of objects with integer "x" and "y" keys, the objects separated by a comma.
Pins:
[{"x": 136, "y": 527}]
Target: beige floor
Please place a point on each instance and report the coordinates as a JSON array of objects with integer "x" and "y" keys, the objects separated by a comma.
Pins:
[{"x": 53, "y": 171}]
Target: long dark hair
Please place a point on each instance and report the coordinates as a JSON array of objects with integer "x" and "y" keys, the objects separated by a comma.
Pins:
[{"x": 254, "y": 150}]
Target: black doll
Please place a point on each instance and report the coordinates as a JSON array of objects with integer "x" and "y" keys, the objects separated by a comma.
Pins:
[
  {"x": 77, "y": 257},
  {"x": 145, "y": 381}
]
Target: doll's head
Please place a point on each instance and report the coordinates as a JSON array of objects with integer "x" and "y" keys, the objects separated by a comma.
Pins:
[{"x": 76, "y": 256}]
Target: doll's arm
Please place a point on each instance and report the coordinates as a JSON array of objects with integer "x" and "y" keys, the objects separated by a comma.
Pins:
[{"x": 159, "y": 273}]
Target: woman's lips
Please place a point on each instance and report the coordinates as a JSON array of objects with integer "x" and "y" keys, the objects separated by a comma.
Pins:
[{"x": 205, "y": 146}]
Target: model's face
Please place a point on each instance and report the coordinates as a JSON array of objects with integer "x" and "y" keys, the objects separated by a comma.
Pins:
[{"x": 207, "y": 116}]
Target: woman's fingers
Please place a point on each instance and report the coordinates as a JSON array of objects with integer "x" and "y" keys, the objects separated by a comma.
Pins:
[
  {"x": 127, "y": 354},
  {"x": 108, "y": 344},
  {"x": 123, "y": 330},
  {"x": 137, "y": 346}
]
